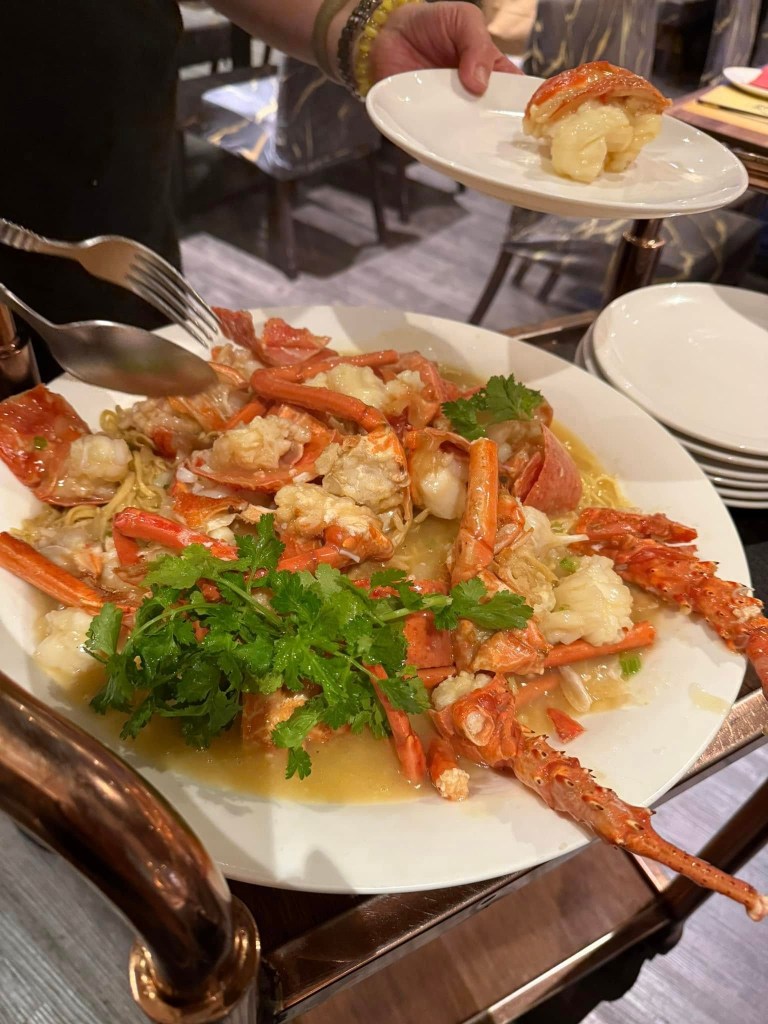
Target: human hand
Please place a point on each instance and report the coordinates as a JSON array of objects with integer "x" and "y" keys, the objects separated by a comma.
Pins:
[{"x": 438, "y": 35}]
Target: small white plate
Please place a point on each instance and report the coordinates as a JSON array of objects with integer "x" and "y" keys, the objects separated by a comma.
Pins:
[
  {"x": 737, "y": 501},
  {"x": 724, "y": 471},
  {"x": 697, "y": 448},
  {"x": 742, "y": 492},
  {"x": 479, "y": 141},
  {"x": 742, "y": 79},
  {"x": 717, "y": 463},
  {"x": 695, "y": 356}
]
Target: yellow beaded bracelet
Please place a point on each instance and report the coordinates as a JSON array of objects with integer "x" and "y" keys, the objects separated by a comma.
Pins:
[{"x": 362, "y": 68}]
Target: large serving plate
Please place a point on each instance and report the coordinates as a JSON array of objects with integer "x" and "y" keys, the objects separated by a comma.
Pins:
[
  {"x": 479, "y": 141},
  {"x": 688, "y": 681}
]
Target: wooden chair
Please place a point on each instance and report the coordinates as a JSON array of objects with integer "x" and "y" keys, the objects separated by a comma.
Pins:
[{"x": 567, "y": 33}]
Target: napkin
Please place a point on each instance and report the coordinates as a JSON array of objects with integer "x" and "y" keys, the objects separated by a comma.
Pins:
[{"x": 762, "y": 79}]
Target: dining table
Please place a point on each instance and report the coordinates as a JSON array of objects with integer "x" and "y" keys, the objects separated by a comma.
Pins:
[
  {"x": 315, "y": 945},
  {"x": 745, "y": 134}
]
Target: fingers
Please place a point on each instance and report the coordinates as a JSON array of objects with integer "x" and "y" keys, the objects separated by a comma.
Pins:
[
  {"x": 505, "y": 65},
  {"x": 476, "y": 61},
  {"x": 478, "y": 55}
]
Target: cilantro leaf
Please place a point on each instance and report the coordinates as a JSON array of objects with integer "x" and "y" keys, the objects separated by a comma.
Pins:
[
  {"x": 299, "y": 763},
  {"x": 504, "y": 610},
  {"x": 405, "y": 693},
  {"x": 508, "y": 399},
  {"x": 294, "y": 730},
  {"x": 185, "y": 569},
  {"x": 388, "y": 578},
  {"x": 463, "y": 415},
  {"x": 263, "y": 550},
  {"x": 503, "y": 398},
  {"x": 104, "y": 632}
]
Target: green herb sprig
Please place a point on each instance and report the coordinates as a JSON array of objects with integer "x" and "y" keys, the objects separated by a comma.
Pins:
[
  {"x": 503, "y": 398},
  {"x": 191, "y": 657}
]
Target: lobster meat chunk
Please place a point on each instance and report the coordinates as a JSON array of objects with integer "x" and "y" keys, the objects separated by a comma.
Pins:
[{"x": 597, "y": 118}]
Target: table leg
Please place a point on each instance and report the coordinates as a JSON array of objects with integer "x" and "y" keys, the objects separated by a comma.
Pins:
[{"x": 636, "y": 259}]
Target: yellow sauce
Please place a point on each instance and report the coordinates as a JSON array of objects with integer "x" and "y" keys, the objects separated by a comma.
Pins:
[
  {"x": 349, "y": 769},
  {"x": 707, "y": 701}
]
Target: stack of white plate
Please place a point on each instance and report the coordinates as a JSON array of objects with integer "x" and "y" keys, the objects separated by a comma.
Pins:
[{"x": 695, "y": 356}]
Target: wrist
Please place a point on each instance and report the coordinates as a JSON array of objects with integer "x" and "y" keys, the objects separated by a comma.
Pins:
[{"x": 356, "y": 38}]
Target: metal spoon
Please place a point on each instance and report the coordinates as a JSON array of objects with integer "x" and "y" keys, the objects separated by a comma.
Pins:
[{"x": 118, "y": 356}]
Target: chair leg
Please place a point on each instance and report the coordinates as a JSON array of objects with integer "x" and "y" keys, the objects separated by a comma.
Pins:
[
  {"x": 519, "y": 275},
  {"x": 494, "y": 281},
  {"x": 179, "y": 187},
  {"x": 376, "y": 198},
  {"x": 282, "y": 221},
  {"x": 401, "y": 184},
  {"x": 549, "y": 283},
  {"x": 240, "y": 47}
]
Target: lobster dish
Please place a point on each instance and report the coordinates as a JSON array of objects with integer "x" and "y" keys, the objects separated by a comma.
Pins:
[
  {"x": 596, "y": 117},
  {"x": 322, "y": 546}
]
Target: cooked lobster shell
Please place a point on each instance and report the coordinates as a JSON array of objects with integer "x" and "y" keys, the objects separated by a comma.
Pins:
[{"x": 597, "y": 80}]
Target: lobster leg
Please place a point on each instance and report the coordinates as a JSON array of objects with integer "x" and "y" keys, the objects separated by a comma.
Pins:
[
  {"x": 473, "y": 548},
  {"x": 483, "y": 726},
  {"x": 410, "y": 752},
  {"x": 134, "y": 524},
  {"x": 269, "y": 385},
  {"x": 636, "y": 546},
  {"x": 29, "y": 565}
]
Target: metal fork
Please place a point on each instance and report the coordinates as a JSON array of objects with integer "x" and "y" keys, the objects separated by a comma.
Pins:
[{"x": 132, "y": 266}]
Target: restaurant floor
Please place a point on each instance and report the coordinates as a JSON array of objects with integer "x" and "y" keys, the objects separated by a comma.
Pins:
[{"x": 437, "y": 263}]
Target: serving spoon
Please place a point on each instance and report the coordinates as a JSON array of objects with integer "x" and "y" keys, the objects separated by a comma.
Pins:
[{"x": 118, "y": 356}]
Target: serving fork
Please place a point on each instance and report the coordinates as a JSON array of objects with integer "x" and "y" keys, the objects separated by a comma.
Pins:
[{"x": 132, "y": 266}]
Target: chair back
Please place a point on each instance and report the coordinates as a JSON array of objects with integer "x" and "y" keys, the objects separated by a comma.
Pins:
[
  {"x": 570, "y": 32},
  {"x": 318, "y": 122},
  {"x": 760, "y": 52},
  {"x": 734, "y": 33}
]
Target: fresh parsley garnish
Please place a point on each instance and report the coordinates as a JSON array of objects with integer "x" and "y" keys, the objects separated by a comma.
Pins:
[
  {"x": 210, "y": 631},
  {"x": 569, "y": 564},
  {"x": 503, "y": 398}
]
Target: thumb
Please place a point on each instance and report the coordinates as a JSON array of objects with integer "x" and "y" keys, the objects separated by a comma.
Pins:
[{"x": 477, "y": 57}]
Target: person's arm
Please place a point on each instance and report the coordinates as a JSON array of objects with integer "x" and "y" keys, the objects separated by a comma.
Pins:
[{"x": 417, "y": 36}]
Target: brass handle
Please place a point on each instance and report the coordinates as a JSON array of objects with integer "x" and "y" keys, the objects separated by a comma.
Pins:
[{"x": 199, "y": 953}]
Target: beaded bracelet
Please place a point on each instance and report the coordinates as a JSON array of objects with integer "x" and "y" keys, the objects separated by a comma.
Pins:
[
  {"x": 327, "y": 12},
  {"x": 364, "y": 24}
]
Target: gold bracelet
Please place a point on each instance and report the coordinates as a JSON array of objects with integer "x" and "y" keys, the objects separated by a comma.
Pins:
[
  {"x": 325, "y": 15},
  {"x": 362, "y": 63}
]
